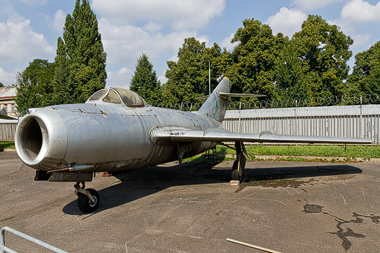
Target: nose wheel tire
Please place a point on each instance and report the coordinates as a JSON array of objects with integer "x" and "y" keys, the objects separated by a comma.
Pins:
[{"x": 85, "y": 204}]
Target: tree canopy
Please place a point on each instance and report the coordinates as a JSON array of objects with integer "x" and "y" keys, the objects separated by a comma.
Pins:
[
  {"x": 255, "y": 57},
  {"x": 144, "y": 81},
  {"x": 324, "y": 52},
  {"x": 34, "y": 87},
  {"x": 366, "y": 74},
  {"x": 81, "y": 60},
  {"x": 312, "y": 64},
  {"x": 188, "y": 78},
  {"x": 78, "y": 70}
]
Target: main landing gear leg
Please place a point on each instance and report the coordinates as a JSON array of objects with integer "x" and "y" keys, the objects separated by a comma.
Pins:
[
  {"x": 239, "y": 163},
  {"x": 88, "y": 200}
]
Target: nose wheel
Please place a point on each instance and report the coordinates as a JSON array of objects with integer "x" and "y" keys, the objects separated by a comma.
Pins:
[{"x": 88, "y": 199}]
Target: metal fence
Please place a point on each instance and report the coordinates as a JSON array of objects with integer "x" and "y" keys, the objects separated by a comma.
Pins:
[{"x": 357, "y": 121}]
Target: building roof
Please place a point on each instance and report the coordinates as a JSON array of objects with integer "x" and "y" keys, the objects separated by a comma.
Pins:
[{"x": 8, "y": 93}]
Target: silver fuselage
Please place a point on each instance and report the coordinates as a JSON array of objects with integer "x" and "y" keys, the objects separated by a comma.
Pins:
[{"x": 106, "y": 137}]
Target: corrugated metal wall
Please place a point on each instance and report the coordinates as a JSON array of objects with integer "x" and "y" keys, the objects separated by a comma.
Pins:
[{"x": 340, "y": 121}]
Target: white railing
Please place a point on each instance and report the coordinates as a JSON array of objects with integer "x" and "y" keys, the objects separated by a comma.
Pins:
[{"x": 4, "y": 248}]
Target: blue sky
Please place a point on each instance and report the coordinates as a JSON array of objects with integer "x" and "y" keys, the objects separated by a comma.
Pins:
[{"x": 29, "y": 28}]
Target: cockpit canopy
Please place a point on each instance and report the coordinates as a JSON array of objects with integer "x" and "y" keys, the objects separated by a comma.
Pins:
[{"x": 117, "y": 96}]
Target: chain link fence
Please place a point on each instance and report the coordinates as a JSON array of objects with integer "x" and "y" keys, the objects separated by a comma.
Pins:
[
  {"x": 269, "y": 103},
  {"x": 284, "y": 103}
]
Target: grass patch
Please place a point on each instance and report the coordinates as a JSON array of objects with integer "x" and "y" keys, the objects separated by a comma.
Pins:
[
  {"x": 351, "y": 152},
  {"x": 7, "y": 144},
  {"x": 297, "y": 153}
]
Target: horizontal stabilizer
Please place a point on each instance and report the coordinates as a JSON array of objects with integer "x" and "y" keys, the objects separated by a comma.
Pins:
[{"x": 235, "y": 95}]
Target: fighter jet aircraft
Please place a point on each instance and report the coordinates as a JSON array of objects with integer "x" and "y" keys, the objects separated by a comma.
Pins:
[{"x": 117, "y": 130}]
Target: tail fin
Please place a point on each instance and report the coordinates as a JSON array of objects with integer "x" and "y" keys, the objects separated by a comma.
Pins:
[{"x": 216, "y": 105}]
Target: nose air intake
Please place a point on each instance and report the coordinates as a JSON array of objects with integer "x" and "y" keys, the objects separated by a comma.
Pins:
[
  {"x": 41, "y": 139},
  {"x": 31, "y": 140}
]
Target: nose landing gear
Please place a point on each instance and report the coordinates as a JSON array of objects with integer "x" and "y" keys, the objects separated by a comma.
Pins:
[{"x": 88, "y": 200}]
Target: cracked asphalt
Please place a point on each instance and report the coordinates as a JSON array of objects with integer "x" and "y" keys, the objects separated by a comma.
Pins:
[{"x": 283, "y": 206}]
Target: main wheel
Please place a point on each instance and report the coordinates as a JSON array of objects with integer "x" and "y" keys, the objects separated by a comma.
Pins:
[
  {"x": 235, "y": 172},
  {"x": 85, "y": 204}
]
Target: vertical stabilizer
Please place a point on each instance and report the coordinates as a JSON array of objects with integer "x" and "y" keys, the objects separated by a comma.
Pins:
[{"x": 215, "y": 106}]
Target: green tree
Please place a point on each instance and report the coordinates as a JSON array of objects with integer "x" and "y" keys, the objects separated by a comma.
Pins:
[
  {"x": 1, "y": 84},
  {"x": 254, "y": 59},
  {"x": 291, "y": 79},
  {"x": 80, "y": 60},
  {"x": 188, "y": 78},
  {"x": 365, "y": 78},
  {"x": 144, "y": 81},
  {"x": 34, "y": 86},
  {"x": 324, "y": 51},
  {"x": 184, "y": 76}
]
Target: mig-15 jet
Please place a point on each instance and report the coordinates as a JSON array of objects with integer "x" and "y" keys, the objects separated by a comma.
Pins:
[{"x": 116, "y": 130}]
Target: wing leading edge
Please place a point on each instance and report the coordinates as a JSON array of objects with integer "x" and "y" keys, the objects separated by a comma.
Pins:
[{"x": 177, "y": 134}]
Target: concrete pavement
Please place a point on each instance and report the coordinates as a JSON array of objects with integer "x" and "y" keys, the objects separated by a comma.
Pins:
[{"x": 284, "y": 206}]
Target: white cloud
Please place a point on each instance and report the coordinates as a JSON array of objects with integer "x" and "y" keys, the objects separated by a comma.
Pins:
[
  {"x": 353, "y": 15},
  {"x": 345, "y": 27},
  {"x": 32, "y": 2},
  {"x": 178, "y": 14},
  {"x": 310, "y": 5},
  {"x": 359, "y": 11},
  {"x": 174, "y": 58},
  {"x": 59, "y": 21},
  {"x": 8, "y": 78},
  {"x": 162, "y": 77},
  {"x": 125, "y": 43},
  {"x": 286, "y": 21},
  {"x": 226, "y": 43},
  {"x": 152, "y": 27},
  {"x": 119, "y": 78},
  {"x": 20, "y": 43},
  {"x": 361, "y": 40}
]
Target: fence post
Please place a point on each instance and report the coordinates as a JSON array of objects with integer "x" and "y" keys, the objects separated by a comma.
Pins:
[
  {"x": 295, "y": 111},
  {"x": 239, "y": 118},
  {"x": 361, "y": 118}
]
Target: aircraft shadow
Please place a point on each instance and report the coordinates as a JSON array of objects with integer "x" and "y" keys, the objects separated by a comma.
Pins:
[
  {"x": 139, "y": 183},
  {"x": 320, "y": 170}
]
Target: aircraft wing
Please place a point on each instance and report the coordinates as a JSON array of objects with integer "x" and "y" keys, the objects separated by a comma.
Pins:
[{"x": 178, "y": 134}]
